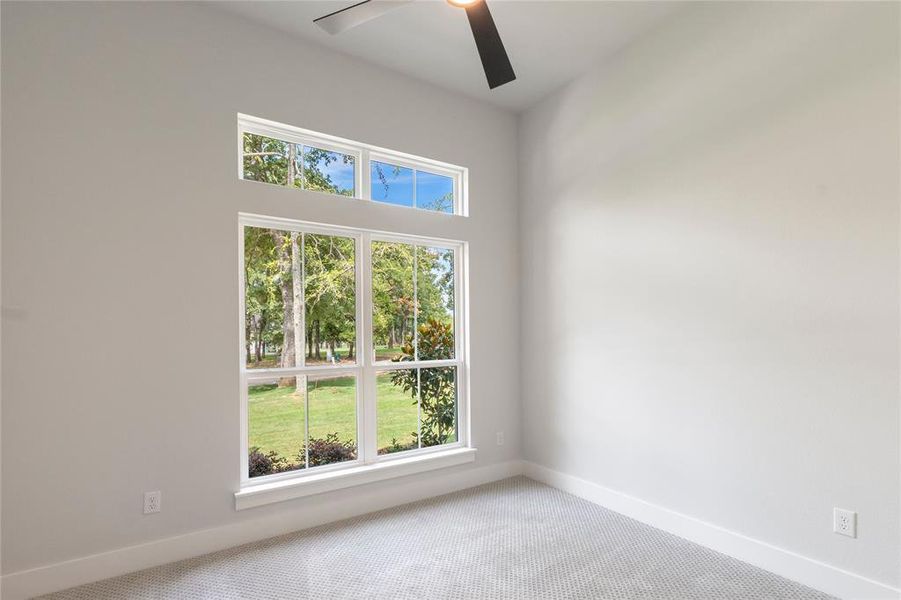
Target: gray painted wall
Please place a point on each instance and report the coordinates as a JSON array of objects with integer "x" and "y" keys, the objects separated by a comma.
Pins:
[
  {"x": 120, "y": 202},
  {"x": 710, "y": 275}
]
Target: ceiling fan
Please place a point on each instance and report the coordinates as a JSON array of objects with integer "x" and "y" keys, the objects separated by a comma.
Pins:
[{"x": 497, "y": 66}]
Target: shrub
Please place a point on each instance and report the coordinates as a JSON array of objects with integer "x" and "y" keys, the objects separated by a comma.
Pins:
[
  {"x": 437, "y": 386},
  {"x": 329, "y": 450},
  {"x": 259, "y": 464},
  {"x": 323, "y": 451},
  {"x": 396, "y": 446}
]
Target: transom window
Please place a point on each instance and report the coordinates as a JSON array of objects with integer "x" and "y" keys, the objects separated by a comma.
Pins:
[
  {"x": 283, "y": 155},
  {"x": 352, "y": 349}
]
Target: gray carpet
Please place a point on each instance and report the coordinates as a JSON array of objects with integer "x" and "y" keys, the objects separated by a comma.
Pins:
[{"x": 510, "y": 539}]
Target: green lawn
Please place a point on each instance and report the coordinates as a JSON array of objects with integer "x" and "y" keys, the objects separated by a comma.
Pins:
[{"x": 276, "y": 414}]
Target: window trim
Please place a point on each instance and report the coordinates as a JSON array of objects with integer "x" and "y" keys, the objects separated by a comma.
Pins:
[
  {"x": 278, "y": 491},
  {"x": 365, "y": 369},
  {"x": 363, "y": 155}
]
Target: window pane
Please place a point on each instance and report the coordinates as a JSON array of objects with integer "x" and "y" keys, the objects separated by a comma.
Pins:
[
  {"x": 271, "y": 161},
  {"x": 332, "y": 419},
  {"x": 275, "y": 425},
  {"x": 329, "y": 285},
  {"x": 391, "y": 184},
  {"x": 327, "y": 171},
  {"x": 397, "y": 411},
  {"x": 392, "y": 300},
  {"x": 435, "y": 293},
  {"x": 438, "y": 405},
  {"x": 272, "y": 291},
  {"x": 434, "y": 192}
]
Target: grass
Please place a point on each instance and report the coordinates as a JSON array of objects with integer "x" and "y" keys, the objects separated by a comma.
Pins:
[{"x": 277, "y": 414}]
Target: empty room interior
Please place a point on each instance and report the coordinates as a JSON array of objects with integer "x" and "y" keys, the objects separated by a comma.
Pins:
[{"x": 450, "y": 299}]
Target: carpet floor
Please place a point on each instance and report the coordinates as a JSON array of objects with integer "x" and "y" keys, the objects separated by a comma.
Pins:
[{"x": 509, "y": 539}]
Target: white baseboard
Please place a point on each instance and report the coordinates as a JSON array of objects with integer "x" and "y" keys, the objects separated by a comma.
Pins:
[
  {"x": 790, "y": 565},
  {"x": 63, "y": 575},
  {"x": 818, "y": 575}
]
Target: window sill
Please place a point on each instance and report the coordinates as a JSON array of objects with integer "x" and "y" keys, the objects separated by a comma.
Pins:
[{"x": 288, "y": 489}]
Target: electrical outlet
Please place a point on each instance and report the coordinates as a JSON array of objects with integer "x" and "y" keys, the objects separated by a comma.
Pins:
[
  {"x": 500, "y": 438},
  {"x": 844, "y": 522},
  {"x": 152, "y": 502}
]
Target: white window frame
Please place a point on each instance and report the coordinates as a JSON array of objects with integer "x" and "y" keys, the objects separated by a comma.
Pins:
[
  {"x": 363, "y": 155},
  {"x": 368, "y": 464}
]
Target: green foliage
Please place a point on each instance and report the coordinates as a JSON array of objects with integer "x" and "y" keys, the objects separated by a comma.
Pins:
[
  {"x": 314, "y": 179},
  {"x": 282, "y": 163},
  {"x": 262, "y": 297},
  {"x": 397, "y": 446},
  {"x": 323, "y": 451},
  {"x": 329, "y": 450},
  {"x": 328, "y": 271},
  {"x": 330, "y": 299},
  {"x": 443, "y": 204},
  {"x": 260, "y": 463},
  {"x": 393, "y": 289},
  {"x": 437, "y": 386},
  {"x": 271, "y": 161}
]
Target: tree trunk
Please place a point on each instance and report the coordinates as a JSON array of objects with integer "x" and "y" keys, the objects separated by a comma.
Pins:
[
  {"x": 351, "y": 348},
  {"x": 260, "y": 323},
  {"x": 287, "y": 291},
  {"x": 292, "y": 155},
  {"x": 297, "y": 289},
  {"x": 317, "y": 341}
]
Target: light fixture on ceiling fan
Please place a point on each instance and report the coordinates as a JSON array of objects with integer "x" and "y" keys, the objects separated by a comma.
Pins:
[{"x": 498, "y": 69}]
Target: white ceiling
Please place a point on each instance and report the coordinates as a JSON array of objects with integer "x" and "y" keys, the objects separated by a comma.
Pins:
[{"x": 549, "y": 42}]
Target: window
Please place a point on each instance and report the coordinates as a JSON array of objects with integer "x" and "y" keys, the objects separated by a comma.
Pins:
[
  {"x": 288, "y": 156},
  {"x": 405, "y": 186},
  {"x": 352, "y": 349}
]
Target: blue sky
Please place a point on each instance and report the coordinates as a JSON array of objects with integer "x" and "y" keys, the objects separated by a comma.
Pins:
[{"x": 429, "y": 187}]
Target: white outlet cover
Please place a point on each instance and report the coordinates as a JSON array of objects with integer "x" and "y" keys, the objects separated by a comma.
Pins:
[
  {"x": 500, "y": 438},
  {"x": 152, "y": 502},
  {"x": 844, "y": 522}
]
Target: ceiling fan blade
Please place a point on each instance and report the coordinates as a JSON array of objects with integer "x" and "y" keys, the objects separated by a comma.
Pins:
[
  {"x": 497, "y": 65},
  {"x": 356, "y": 14}
]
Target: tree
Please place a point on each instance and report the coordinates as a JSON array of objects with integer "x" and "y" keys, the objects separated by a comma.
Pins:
[
  {"x": 392, "y": 291},
  {"x": 274, "y": 266},
  {"x": 315, "y": 160},
  {"x": 329, "y": 278},
  {"x": 262, "y": 294},
  {"x": 436, "y": 386},
  {"x": 271, "y": 161}
]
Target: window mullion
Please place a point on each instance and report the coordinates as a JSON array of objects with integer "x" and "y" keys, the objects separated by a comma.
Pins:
[
  {"x": 300, "y": 354},
  {"x": 365, "y": 175},
  {"x": 415, "y": 304},
  {"x": 368, "y": 428},
  {"x": 306, "y": 416},
  {"x": 419, "y": 408}
]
